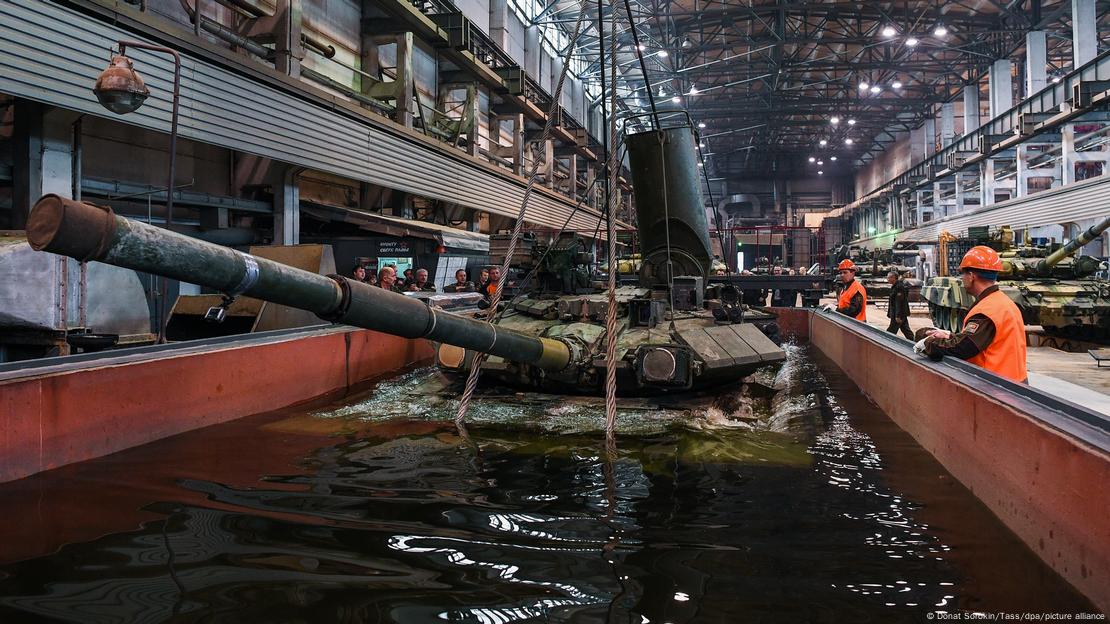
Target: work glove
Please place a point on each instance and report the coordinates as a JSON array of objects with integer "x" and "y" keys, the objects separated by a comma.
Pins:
[
  {"x": 919, "y": 346},
  {"x": 828, "y": 307}
]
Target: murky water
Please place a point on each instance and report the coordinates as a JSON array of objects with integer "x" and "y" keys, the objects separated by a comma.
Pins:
[{"x": 805, "y": 506}]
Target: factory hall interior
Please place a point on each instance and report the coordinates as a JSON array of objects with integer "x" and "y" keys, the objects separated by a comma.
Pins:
[{"x": 585, "y": 311}]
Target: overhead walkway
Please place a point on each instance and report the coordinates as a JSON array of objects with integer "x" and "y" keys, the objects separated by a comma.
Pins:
[{"x": 51, "y": 52}]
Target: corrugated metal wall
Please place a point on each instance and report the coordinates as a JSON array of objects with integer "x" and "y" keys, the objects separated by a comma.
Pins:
[
  {"x": 52, "y": 54},
  {"x": 1089, "y": 199}
]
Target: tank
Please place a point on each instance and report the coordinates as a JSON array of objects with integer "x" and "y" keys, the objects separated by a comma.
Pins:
[
  {"x": 674, "y": 334},
  {"x": 1054, "y": 289},
  {"x": 874, "y": 266}
]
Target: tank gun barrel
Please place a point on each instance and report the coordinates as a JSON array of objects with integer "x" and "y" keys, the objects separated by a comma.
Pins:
[
  {"x": 87, "y": 232},
  {"x": 1089, "y": 235}
]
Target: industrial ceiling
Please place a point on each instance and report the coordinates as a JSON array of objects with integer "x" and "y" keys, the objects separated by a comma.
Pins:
[{"x": 771, "y": 80}]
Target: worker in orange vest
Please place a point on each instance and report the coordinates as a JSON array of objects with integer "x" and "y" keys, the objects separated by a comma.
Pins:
[
  {"x": 853, "y": 299},
  {"x": 993, "y": 333}
]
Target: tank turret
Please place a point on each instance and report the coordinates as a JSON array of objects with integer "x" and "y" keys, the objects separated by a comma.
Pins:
[
  {"x": 550, "y": 336},
  {"x": 1054, "y": 289},
  {"x": 1081, "y": 269}
]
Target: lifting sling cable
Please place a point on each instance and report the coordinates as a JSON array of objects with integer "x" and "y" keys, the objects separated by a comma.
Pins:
[
  {"x": 610, "y": 217},
  {"x": 476, "y": 366}
]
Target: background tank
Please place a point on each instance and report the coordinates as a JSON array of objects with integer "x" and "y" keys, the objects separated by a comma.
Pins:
[
  {"x": 1057, "y": 290},
  {"x": 551, "y": 336}
]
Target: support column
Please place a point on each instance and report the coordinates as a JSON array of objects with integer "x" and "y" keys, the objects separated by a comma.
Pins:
[
  {"x": 1084, "y": 36},
  {"x": 930, "y": 138},
  {"x": 549, "y": 163},
  {"x": 43, "y": 150},
  {"x": 940, "y": 210},
  {"x": 958, "y": 193},
  {"x": 498, "y": 18},
  {"x": 405, "y": 77},
  {"x": 473, "y": 118},
  {"x": 572, "y": 182},
  {"x": 1021, "y": 174},
  {"x": 918, "y": 144},
  {"x": 532, "y": 51},
  {"x": 287, "y": 204},
  {"x": 971, "y": 108},
  {"x": 288, "y": 49},
  {"x": 947, "y": 123},
  {"x": 27, "y": 155},
  {"x": 591, "y": 192},
  {"x": 518, "y": 144},
  {"x": 986, "y": 183},
  {"x": 1067, "y": 153},
  {"x": 1001, "y": 87},
  {"x": 1036, "y": 62}
]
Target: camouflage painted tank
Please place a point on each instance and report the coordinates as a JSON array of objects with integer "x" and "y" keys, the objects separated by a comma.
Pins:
[
  {"x": 673, "y": 333},
  {"x": 1058, "y": 291}
]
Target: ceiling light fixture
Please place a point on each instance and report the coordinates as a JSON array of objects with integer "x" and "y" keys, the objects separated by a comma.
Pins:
[
  {"x": 848, "y": 141},
  {"x": 911, "y": 42},
  {"x": 641, "y": 47},
  {"x": 940, "y": 30},
  {"x": 834, "y": 120},
  {"x": 889, "y": 31},
  {"x": 812, "y": 159},
  {"x": 676, "y": 99},
  {"x": 820, "y": 173},
  {"x": 820, "y": 162},
  {"x": 701, "y": 124},
  {"x": 693, "y": 90},
  {"x": 823, "y": 142},
  {"x": 851, "y": 122},
  {"x": 876, "y": 88},
  {"x": 662, "y": 53},
  {"x": 832, "y": 158},
  {"x": 897, "y": 84},
  {"x": 863, "y": 85}
]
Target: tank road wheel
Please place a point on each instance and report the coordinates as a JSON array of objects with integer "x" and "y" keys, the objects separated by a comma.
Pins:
[
  {"x": 936, "y": 312},
  {"x": 954, "y": 320}
]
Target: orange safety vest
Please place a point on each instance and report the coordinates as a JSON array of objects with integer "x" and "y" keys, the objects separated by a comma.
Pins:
[
  {"x": 1006, "y": 354},
  {"x": 846, "y": 298}
]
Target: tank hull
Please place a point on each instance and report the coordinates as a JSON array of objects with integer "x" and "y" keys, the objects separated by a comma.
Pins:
[{"x": 1078, "y": 309}]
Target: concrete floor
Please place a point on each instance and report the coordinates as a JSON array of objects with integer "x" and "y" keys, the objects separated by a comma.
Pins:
[{"x": 1070, "y": 376}]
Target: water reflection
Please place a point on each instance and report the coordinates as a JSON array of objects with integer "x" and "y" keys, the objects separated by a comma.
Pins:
[{"x": 705, "y": 515}]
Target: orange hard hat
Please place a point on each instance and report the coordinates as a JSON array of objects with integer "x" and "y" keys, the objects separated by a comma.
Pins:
[
  {"x": 982, "y": 258},
  {"x": 846, "y": 265}
]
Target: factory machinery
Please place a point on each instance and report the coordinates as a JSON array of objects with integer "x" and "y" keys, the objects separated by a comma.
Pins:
[{"x": 674, "y": 333}]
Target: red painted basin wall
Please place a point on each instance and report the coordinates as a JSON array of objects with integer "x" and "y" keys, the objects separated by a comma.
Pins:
[
  {"x": 66, "y": 417},
  {"x": 1048, "y": 487}
]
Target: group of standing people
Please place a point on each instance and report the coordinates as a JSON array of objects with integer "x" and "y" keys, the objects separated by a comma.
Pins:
[
  {"x": 417, "y": 281},
  {"x": 993, "y": 332},
  {"x": 412, "y": 281}
]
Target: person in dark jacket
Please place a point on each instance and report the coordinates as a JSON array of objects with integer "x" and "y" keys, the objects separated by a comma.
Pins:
[
  {"x": 461, "y": 285},
  {"x": 898, "y": 308}
]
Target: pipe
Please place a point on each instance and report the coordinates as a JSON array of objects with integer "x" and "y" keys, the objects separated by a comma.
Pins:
[
  {"x": 321, "y": 79},
  {"x": 326, "y": 49},
  {"x": 245, "y": 7},
  {"x": 222, "y": 32},
  {"x": 87, "y": 232}
]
